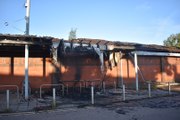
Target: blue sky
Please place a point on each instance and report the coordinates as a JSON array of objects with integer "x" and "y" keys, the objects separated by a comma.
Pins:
[{"x": 141, "y": 21}]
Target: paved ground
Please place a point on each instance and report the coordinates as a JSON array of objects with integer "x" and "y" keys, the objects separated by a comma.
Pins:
[
  {"x": 101, "y": 98},
  {"x": 100, "y": 114},
  {"x": 165, "y": 108},
  {"x": 109, "y": 105}
]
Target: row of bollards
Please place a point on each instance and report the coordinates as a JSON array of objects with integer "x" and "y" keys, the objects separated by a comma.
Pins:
[
  {"x": 124, "y": 91},
  {"x": 149, "y": 89},
  {"x": 92, "y": 94},
  {"x": 54, "y": 95}
]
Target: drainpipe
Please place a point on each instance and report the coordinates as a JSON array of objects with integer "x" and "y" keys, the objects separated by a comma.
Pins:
[{"x": 136, "y": 71}]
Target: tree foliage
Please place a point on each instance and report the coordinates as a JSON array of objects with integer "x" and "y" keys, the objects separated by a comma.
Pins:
[
  {"x": 173, "y": 41},
  {"x": 72, "y": 34}
]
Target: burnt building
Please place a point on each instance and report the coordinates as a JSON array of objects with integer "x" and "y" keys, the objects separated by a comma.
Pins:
[{"x": 83, "y": 61}]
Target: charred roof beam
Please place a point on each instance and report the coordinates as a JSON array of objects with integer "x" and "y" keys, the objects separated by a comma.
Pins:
[{"x": 24, "y": 40}]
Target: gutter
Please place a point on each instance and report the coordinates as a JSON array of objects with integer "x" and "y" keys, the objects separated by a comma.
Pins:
[{"x": 147, "y": 53}]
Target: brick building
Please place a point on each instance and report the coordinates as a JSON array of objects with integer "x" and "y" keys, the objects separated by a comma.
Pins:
[{"x": 85, "y": 60}]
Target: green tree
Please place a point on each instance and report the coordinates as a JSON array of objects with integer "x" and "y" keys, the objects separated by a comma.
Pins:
[
  {"x": 173, "y": 41},
  {"x": 72, "y": 34}
]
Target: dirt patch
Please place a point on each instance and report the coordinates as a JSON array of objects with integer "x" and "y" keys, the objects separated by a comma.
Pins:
[
  {"x": 120, "y": 111},
  {"x": 163, "y": 102}
]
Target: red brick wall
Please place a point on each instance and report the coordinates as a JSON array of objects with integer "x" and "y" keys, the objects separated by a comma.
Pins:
[
  {"x": 160, "y": 69},
  {"x": 75, "y": 68},
  {"x": 88, "y": 68},
  {"x": 171, "y": 69},
  {"x": 128, "y": 71},
  {"x": 12, "y": 71},
  {"x": 150, "y": 68}
]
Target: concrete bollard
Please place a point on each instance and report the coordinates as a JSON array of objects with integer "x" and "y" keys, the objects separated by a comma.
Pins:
[
  {"x": 7, "y": 99},
  {"x": 124, "y": 93},
  {"x": 92, "y": 94},
  {"x": 54, "y": 98},
  {"x": 149, "y": 89},
  {"x": 169, "y": 88}
]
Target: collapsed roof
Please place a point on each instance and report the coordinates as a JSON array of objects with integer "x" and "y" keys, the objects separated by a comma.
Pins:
[
  {"x": 14, "y": 45},
  {"x": 122, "y": 46},
  {"x": 44, "y": 44},
  {"x": 24, "y": 39}
]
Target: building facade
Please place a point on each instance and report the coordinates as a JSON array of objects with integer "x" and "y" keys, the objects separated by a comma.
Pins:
[{"x": 83, "y": 61}]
